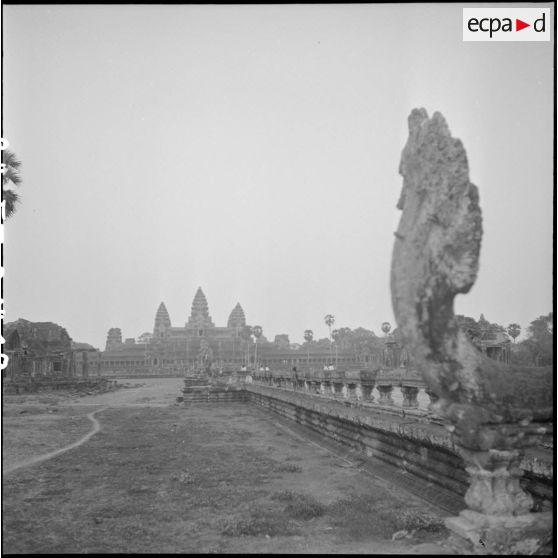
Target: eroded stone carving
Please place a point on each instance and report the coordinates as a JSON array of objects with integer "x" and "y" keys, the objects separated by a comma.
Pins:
[{"x": 495, "y": 409}]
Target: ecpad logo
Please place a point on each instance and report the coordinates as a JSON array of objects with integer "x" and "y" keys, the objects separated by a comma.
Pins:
[
  {"x": 494, "y": 24},
  {"x": 506, "y": 24}
]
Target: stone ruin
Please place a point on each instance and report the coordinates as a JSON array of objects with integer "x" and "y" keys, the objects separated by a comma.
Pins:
[{"x": 495, "y": 410}]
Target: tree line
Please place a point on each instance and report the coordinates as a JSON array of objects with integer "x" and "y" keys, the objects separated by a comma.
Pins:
[{"x": 537, "y": 349}]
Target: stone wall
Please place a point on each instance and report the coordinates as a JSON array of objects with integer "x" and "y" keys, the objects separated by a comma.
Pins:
[
  {"x": 423, "y": 449},
  {"x": 31, "y": 385},
  {"x": 212, "y": 394},
  {"x": 412, "y": 440}
]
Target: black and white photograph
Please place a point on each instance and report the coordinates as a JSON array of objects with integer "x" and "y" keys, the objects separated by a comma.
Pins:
[{"x": 278, "y": 278}]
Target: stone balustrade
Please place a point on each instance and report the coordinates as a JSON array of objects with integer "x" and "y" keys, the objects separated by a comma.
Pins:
[
  {"x": 383, "y": 413},
  {"x": 396, "y": 391}
]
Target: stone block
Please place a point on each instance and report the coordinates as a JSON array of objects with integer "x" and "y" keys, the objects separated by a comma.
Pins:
[{"x": 497, "y": 535}]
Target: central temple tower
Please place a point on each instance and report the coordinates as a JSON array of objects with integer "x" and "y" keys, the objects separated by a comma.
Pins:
[{"x": 199, "y": 317}]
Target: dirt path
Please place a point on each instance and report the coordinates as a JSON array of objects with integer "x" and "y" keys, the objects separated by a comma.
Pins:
[
  {"x": 51, "y": 454},
  {"x": 151, "y": 392}
]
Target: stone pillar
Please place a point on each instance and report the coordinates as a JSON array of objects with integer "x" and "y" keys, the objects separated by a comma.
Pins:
[
  {"x": 385, "y": 395},
  {"x": 351, "y": 392},
  {"x": 498, "y": 518},
  {"x": 337, "y": 389},
  {"x": 367, "y": 392},
  {"x": 327, "y": 388},
  {"x": 495, "y": 485},
  {"x": 410, "y": 396},
  {"x": 433, "y": 400}
]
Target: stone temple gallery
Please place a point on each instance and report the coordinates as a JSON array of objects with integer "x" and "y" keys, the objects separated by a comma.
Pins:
[{"x": 200, "y": 344}]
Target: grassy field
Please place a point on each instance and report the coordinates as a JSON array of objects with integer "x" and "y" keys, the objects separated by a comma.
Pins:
[
  {"x": 207, "y": 479},
  {"x": 39, "y": 424}
]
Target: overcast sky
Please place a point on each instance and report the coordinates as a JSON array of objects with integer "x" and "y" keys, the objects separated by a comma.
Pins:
[{"x": 254, "y": 151}]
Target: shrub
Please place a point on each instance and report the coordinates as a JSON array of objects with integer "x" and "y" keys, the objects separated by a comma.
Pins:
[
  {"x": 300, "y": 506},
  {"x": 284, "y": 496},
  {"x": 355, "y": 514},
  {"x": 363, "y": 516},
  {"x": 415, "y": 520},
  {"x": 305, "y": 508},
  {"x": 289, "y": 468},
  {"x": 257, "y": 524}
]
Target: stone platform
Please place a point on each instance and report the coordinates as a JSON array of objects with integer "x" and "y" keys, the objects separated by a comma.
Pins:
[{"x": 202, "y": 389}]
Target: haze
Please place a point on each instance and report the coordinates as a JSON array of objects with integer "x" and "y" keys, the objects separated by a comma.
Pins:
[{"x": 254, "y": 151}]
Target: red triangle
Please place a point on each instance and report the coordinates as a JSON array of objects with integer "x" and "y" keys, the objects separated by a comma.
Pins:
[{"x": 519, "y": 25}]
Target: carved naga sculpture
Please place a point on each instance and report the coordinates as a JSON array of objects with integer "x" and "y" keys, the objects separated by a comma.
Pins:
[{"x": 494, "y": 410}]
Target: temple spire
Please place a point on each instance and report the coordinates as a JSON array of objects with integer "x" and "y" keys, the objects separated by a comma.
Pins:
[
  {"x": 199, "y": 317},
  {"x": 114, "y": 338},
  {"x": 237, "y": 318},
  {"x": 162, "y": 321}
]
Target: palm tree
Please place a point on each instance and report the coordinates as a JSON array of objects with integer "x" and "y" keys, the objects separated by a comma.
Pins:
[
  {"x": 335, "y": 336},
  {"x": 514, "y": 330},
  {"x": 308, "y": 337},
  {"x": 257, "y": 331},
  {"x": 10, "y": 174},
  {"x": 330, "y": 320}
]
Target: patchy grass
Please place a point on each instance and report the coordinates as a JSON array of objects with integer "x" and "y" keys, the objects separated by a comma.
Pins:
[
  {"x": 300, "y": 506},
  {"x": 360, "y": 517},
  {"x": 288, "y": 468},
  {"x": 284, "y": 496},
  {"x": 418, "y": 520},
  {"x": 273, "y": 522},
  {"x": 365, "y": 515},
  {"x": 267, "y": 524},
  {"x": 31, "y": 429},
  {"x": 305, "y": 508},
  {"x": 139, "y": 485},
  {"x": 183, "y": 480}
]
